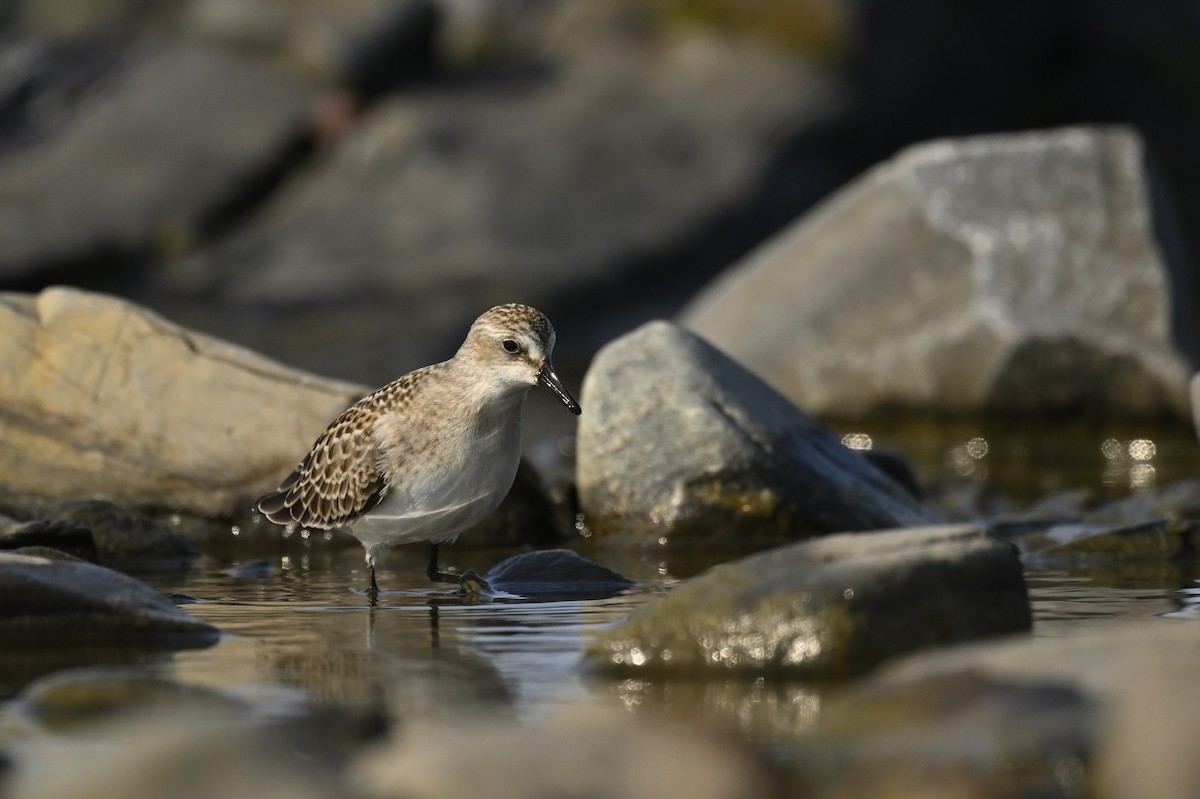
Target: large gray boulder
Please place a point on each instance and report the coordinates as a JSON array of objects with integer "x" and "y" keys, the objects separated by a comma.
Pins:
[
  {"x": 1015, "y": 273},
  {"x": 678, "y": 441},
  {"x": 147, "y": 160},
  {"x": 830, "y": 607},
  {"x": 103, "y": 398}
]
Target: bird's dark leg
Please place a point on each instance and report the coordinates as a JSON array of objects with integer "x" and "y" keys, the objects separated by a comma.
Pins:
[
  {"x": 469, "y": 582},
  {"x": 373, "y": 588},
  {"x": 433, "y": 572}
]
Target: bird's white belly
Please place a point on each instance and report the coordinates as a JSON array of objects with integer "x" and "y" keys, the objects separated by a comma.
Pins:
[{"x": 437, "y": 502}]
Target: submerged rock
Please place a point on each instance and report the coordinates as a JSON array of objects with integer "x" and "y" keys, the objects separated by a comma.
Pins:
[
  {"x": 834, "y": 606},
  {"x": 47, "y": 601},
  {"x": 678, "y": 441},
  {"x": 103, "y": 398},
  {"x": 1015, "y": 273}
]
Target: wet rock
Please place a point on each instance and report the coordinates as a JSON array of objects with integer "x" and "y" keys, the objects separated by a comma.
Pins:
[
  {"x": 1156, "y": 539},
  {"x": 1154, "y": 523},
  {"x": 123, "y": 535},
  {"x": 830, "y": 607},
  {"x": 103, "y": 398},
  {"x": 558, "y": 573},
  {"x": 45, "y": 602},
  {"x": 148, "y": 160},
  {"x": 680, "y": 442},
  {"x": 76, "y": 697},
  {"x": 1014, "y": 273},
  {"x": 581, "y": 752}
]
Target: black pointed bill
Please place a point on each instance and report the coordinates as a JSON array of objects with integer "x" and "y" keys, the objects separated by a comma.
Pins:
[{"x": 547, "y": 378}]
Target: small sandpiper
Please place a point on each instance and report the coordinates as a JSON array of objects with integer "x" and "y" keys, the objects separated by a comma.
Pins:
[{"x": 430, "y": 454}]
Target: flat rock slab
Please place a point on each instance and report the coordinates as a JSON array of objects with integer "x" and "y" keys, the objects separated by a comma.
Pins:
[
  {"x": 680, "y": 442},
  {"x": 830, "y": 607},
  {"x": 103, "y": 398},
  {"x": 1017, "y": 273},
  {"x": 47, "y": 601}
]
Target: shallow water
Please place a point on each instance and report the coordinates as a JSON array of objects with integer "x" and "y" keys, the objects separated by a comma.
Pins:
[{"x": 298, "y": 632}]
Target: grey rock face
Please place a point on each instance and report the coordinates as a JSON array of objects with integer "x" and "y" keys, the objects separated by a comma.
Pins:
[
  {"x": 103, "y": 398},
  {"x": 45, "y": 601},
  {"x": 1015, "y": 273},
  {"x": 830, "y": 607},
  {"x": 177, "y": 134},
  {"x": 679, "y": 441}
]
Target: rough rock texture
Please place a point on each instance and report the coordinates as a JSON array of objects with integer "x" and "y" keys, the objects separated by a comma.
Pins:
[
  {"x": 45, "y": 601},
  {"x": 581, "y": 752},
  {"x": 180, "y": 132},
  {"x": 834, "y": 606},
  {"x": 1015, "y": 273},
  {"x": 678, "y": 441},
  {"x": 103, "y": 398}
]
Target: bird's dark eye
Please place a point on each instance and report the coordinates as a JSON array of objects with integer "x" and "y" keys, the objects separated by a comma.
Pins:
[{"x": 510, "y": 346}]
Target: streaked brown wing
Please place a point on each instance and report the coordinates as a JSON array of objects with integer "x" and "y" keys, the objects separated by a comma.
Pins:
[{"x": 336, "y": 482}]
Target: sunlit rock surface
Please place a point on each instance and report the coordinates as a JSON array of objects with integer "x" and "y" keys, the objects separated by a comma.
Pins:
[
  {"x": 1014, "y": 273},
  {"x": 834, "y": 606},
  {"x": 44, "y": 601},
  {"x": 103, "y": 398},
  {"x": 678, "y": 441}
]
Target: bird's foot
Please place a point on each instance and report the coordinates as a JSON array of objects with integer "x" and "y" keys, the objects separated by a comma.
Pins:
[{"x": 471, "y": 584}]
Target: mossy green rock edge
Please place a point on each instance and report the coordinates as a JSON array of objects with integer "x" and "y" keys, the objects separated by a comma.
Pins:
[{"x": 827, "y": 608}]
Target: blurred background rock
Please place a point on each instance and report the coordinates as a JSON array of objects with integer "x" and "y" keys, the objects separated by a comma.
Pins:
[{"x": 343, "y": 185}]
